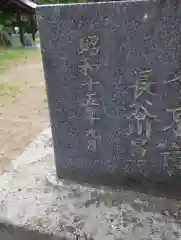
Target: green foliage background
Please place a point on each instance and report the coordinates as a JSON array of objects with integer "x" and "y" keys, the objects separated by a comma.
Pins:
[{"x": 7, "y": 20}]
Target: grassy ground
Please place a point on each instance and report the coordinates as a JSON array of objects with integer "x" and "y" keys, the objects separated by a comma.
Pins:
[
  {"x": 23, "y": 106},
  {"x": 9, "y": 56},
  {"x": 37, "y": 40},
  {"x": 12, "y": 57}
]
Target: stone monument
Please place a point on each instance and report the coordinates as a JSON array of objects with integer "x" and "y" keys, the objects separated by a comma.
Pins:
[{"x": 113, "y": 76}]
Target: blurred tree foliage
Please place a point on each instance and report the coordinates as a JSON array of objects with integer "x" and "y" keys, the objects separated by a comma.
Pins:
[{"x": 6, "y": 23}]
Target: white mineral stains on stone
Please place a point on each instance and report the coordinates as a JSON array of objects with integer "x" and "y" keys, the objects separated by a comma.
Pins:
[{"x": 146, "y": 17}]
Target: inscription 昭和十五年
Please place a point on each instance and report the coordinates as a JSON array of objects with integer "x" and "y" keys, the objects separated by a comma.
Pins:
[{"x": 91, "y": 104}]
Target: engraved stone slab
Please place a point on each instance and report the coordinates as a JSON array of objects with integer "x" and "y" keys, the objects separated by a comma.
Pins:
[{"x": 113, "y": 76}]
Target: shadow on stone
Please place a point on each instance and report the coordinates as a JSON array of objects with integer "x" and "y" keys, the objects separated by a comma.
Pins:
[
  {"x": 11, "y": 232},
  {"x": 166, "y": 188}
]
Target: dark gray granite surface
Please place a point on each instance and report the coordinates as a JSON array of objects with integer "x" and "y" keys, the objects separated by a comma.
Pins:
[{"x": 113, "y": 76}]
